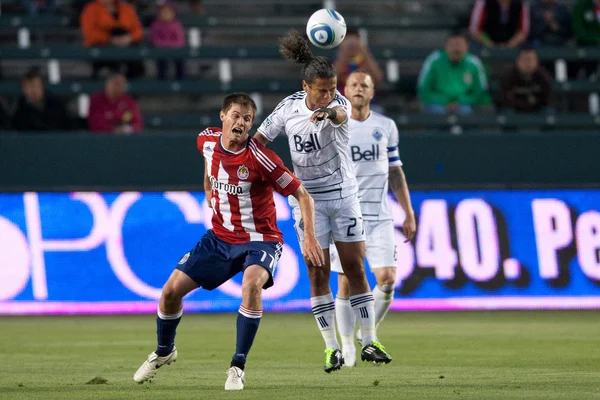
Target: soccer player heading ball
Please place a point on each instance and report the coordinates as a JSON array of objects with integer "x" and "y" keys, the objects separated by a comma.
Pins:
[
  {"x": 374, "y": 152},
  {"x": 315, "y": 121},
  {"x": 244, "y": 237}
]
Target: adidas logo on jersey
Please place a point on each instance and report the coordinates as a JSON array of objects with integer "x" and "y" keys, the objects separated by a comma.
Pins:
[{"x": 296, "y": 111}]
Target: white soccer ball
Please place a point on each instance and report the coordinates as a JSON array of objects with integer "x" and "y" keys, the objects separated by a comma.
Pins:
[{"x": 326, "y": 28}]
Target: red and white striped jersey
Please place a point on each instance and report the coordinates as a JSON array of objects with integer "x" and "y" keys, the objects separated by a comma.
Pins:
[{"x": 242, "y": 189}]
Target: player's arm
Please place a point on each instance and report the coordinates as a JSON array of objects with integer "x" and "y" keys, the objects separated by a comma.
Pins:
[
  {"x": 399, "y": 187},
  {"x": 262, "y": 138},
  {"x": 311, "y": 248},
  {"x": 207, "y": 186},
  {"x": 336, "y": 114}
]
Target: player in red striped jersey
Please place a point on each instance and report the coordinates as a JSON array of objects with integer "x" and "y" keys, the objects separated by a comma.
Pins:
[{"x": 243, "y": 175}]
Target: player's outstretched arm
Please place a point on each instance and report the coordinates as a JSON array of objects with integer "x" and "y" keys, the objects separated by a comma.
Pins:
[
  {"x": 399, "y": 186},
  {"x": 311, "y": 249},
  {"x": 337, "y": 115},
  {"x": 261, "y": 138}
]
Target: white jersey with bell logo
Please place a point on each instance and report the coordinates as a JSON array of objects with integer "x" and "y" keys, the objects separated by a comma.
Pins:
[
  {"x": 319, "y": 150},
  {"x": 373, "y": 150}
]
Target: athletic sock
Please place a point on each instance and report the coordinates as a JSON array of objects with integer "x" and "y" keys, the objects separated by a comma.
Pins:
[
  {"x": 247, "y": 326},
  {"x": 346, "y": 319},
  {"x": 166, "y": 327},
  {"x": 323, "y": 309},
  {"x": 364, "y": 308},
  {"x": 383, "y": 296}
]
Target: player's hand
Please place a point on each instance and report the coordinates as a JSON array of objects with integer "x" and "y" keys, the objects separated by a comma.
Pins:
[
  {"x": 312, "y": 251},
  {"x": 409, "y": 227},
  {"x": 323, "y": 113}
]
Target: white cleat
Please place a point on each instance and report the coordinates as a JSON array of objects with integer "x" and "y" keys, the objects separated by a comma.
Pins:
[
  {"x": 349, "y": 353},
  {"x": 236, "y": 378},
  {"x": 148, "y": 369}
]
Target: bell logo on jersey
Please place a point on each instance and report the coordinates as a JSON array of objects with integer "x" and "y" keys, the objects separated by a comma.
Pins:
[
  {"x": 243, "y": 172},
  {"x": 371, "y": 154},
  {"x": 310, "y": 145}
]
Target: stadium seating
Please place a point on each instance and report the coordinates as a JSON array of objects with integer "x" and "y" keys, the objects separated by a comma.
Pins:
[{"x": 235, "y": 51}]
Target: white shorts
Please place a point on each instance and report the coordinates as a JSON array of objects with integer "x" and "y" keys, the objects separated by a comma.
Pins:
[
  {"x": 380, "y": 248},
  {"x": 337, "y": 220}
]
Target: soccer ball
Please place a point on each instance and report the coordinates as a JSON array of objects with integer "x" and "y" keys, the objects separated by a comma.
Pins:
[{"x": 326, "y": 28}]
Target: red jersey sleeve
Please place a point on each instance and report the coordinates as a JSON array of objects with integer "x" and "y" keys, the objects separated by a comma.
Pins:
[
  {"x": 210, "y": 135},
  {"x": 273, "y": 170}
]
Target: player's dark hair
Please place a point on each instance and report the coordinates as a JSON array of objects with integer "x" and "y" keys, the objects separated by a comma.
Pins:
[
  {"x": 294, "y": 47},
  {"x": 33, "y": 73},
  {"x": 457, "y": 34},
  {"x": 242, "y": 99}
]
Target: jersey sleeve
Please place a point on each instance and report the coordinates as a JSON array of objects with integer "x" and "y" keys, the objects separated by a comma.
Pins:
[
  {"x": 274, "y": 124},
  {"x": 393, "y": 153},
  {"x": 340, "y": 101},
  {"x": 207, "y": 135},
  {"x": 273, "y": 170}
]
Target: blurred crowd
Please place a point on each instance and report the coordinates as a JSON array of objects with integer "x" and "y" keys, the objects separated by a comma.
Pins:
[{"x": 452, "y": 79}]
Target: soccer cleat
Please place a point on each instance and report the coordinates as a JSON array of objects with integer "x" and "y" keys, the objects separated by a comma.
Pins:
[
  {"x": 333, "y": 359},
  {"x": 148, "y": 369},
  {"x": 349, "y": 353},
  {"x": 236, "y": 378},
  {"x": 375, "y": 353}
]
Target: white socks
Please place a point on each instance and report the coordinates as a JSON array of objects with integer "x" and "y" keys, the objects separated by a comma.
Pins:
[
  {"x": 346, "y": 319},
  {"x": 323, "y": 309},
  {"x": 383, "y": 298},
  {"x": 364, "y": 308}
]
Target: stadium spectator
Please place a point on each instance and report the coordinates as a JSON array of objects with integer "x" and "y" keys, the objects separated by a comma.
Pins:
[
  {"x": 112, "y": 23},
  {"x": 352, "y": 54},
  {"x": 452, "y": 80},
  {"x": 34, "y": 7},
  {"x": 586, "y": 22},
  {"x": 527, "y": 87},
  {"x": 38, "y": 110},
  {"x": 500, "y": 23},
  {"x": 167, "y": 31},
  {"x": 113, "y": 110},
  {"x": 550, "y": 23}
]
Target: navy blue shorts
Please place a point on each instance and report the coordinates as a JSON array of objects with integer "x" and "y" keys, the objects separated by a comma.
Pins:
[{"x": 213, "y": 262}]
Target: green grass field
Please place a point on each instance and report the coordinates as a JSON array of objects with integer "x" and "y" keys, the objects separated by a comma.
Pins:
[{"x": 476, "y": 355}]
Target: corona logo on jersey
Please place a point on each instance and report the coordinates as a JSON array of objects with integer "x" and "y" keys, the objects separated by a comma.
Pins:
[
  {"x": 307, "y": 146},
  {"x": 225, "y": 187},
  {"x": 370, "y": 154}
]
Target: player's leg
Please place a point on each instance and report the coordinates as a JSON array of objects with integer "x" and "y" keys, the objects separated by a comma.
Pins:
[
  {"x": 248, "y": 319},
  {"x": 170, "y": 309},
  {"x": 259, "y": 262},
  {"x": 321, "y": 298},
  {"x": 381, "y": 253},
  {"x": 344, "y": 314},
  {"x": 349, "y": 236},
  {"x": 383, "y": 292},
  {"x": 203, "y": 266}
]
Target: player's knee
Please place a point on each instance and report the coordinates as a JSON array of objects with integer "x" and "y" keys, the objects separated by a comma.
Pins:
[
  {"x": 170, "y": 294},
  {"x": 387, "y": 279},
  {"x": 254, "y": 280},
  {"x": 354, "y": 270}
]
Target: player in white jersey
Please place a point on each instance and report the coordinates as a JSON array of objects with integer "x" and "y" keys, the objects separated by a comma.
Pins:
[
  {"x": 315, "y": 121},
  {"x": 374, "y": 152}
]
